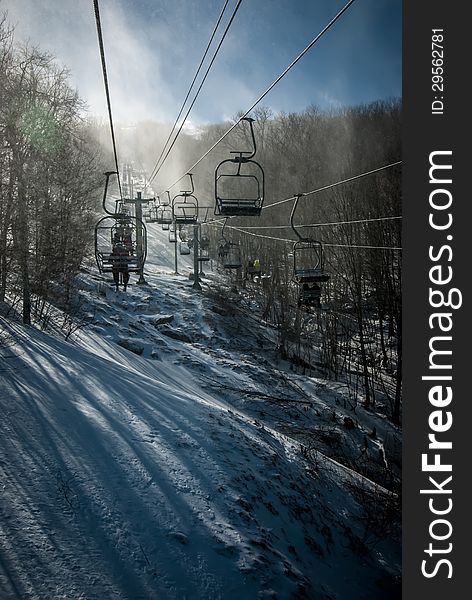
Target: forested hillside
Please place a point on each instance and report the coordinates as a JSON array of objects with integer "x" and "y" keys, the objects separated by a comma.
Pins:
[{"x": 358, "y": 223}]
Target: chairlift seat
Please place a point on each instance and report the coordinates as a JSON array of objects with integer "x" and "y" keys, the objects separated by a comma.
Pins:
[
  {"x": 311, "y": 275},
  {"x": 238, "y": 207},
  {"x": 204, "y": 254},
  {"x": 232, "y": 257},
  {"x": 245, "y": 178},
  {"x": 231, "y": 263},
  {"x": 241, "y": 205},
  {"x": 185, "y": 214},
  {"x": 164, "y": 216},
  {"x": 185, "y": 208},
  {"x": 108, "y": 261}
]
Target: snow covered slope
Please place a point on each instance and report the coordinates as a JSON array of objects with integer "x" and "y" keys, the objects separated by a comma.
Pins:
[{"x": 132, "y": 468}]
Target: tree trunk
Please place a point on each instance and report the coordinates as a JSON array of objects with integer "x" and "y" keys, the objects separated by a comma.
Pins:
[
  {"x": 6, "y": 221},
  {"x": 365, "y": 369},
  {"x": 398, "y": 387},
  {"x": 23, "y": 247}
]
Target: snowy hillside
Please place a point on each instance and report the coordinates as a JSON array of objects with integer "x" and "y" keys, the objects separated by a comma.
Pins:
[{"x": 157, "y": 454}]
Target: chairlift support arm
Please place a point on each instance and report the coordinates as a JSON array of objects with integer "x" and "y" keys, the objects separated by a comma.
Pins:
[
  {"x": 223, "y": 230},
  {"x": 240, "y": 159},
  {"x": 108, "y": 174},
  {"x": 188, "y": 192},
  {"x": 292, "y": 216}
]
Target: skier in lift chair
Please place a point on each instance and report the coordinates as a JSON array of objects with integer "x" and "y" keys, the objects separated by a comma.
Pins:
[{"x": 120, "y": 265}]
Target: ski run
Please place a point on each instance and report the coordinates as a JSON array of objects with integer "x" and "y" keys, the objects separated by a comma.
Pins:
[{"x": 159, "y": 453}]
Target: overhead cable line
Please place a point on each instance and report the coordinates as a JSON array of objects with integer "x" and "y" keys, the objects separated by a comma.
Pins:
[
  {"x": 273, "y": 84},
  {"x": 399, "y": 248},
  {"x": 197, "y": 93},
  {"x": 154, "y": 171},
  {"x": 267, "y": 237},
  {"x": 332, "y": 185},
  {"x": 322, "y": 224},
  {"x": 326, "y": 187},
  {"x": 287, "y": 240},
  {"x": 107, "y": 90}
]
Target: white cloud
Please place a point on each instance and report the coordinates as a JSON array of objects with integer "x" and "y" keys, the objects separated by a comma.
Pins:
[{"x": 69, "y": 32}]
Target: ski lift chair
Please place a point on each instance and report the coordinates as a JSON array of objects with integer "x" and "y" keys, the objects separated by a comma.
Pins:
[
  {"x": 204, "y": 244},
  {"x": 308, "y": 271},
  {"x": 118, "y": 228},
  {"x": 185, "y": 211},
  {"x": 110, "y": 234},
  {"x": 308, "y": 266},
  {"x": 230, "y": 254},
  {"x": 185, "y": 206},
  {"x": 151, "y": 214},
  {"x": 164, "y": 215},
  {"x": 232, "y": 259},
  {"x": 239, "y": 183}
]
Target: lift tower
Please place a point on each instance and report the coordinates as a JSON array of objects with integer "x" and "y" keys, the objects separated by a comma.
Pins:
[{"x": 140, "y": 249}]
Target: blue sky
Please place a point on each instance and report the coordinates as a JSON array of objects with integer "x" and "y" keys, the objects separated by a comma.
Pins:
[{"x": 154, "y": 47}]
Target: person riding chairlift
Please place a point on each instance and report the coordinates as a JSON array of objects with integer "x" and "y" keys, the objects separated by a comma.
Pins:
[
  {"x": 309, "y": 295},
  {"x": 253, "y": 268},
  {"x": 119, "y": 257},
  {"x": 249, "y": 268},
  {"x": 128, "y": 242}
]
